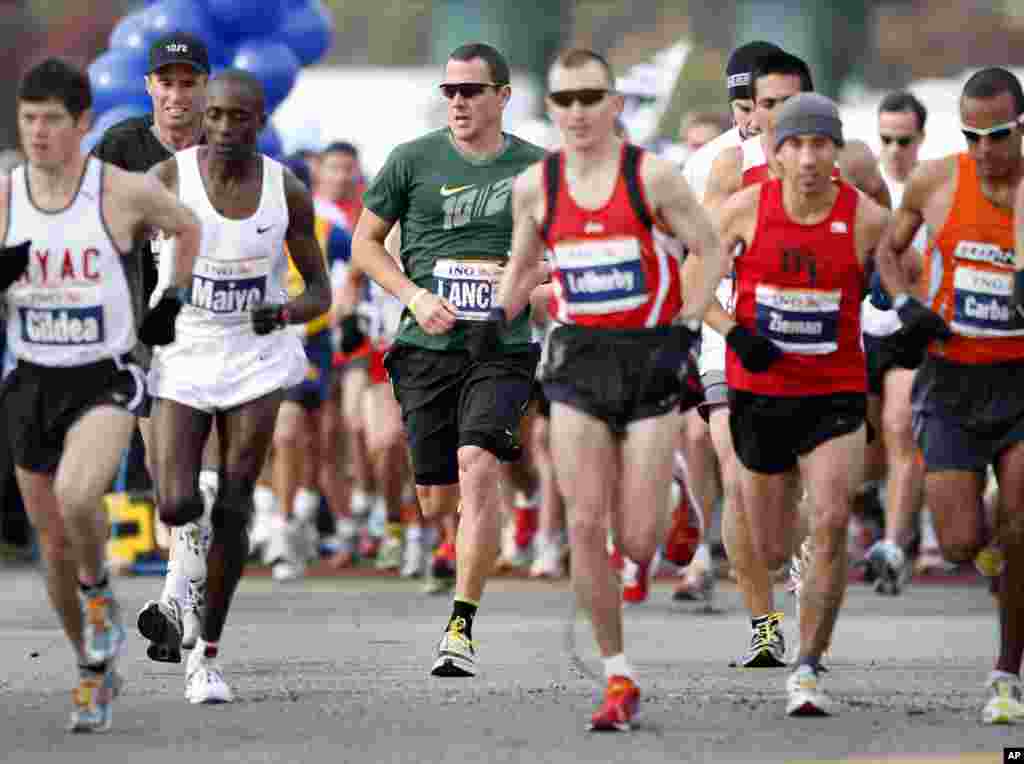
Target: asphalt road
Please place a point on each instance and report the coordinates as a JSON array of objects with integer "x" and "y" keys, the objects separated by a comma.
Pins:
[{"x": 336, "y": 670}]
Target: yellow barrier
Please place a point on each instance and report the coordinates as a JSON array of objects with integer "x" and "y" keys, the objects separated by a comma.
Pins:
[{"x": 132, "y": 535}]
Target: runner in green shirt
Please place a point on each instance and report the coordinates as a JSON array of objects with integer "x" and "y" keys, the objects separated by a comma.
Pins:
[{"x": 451, "y": 190}]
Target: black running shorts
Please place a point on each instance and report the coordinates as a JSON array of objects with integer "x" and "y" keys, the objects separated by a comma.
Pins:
[
  {"x": 966, "y": 415},
  {"x": 44, "y": 402},
  {"x": 617, "y": 376},
  {"x": 449, "y": 401},
  {"x": 770, "y": 433}
]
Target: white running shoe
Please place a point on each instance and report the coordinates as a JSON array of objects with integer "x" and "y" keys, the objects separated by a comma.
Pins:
[
  {"x": 889, "y": 565},
  {"x": 1006, "y": 702},
  {"x": 204, "y": 681},
  {"x": 806, "y": 698},
  {"x": 159, "y": 621},
  {"x": 547, "y": 558},
  {"x": 389, "y": 555},
  {"x": 456, "y": 653}
]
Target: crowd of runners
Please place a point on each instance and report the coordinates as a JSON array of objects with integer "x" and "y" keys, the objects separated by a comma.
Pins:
[{"x": 574, "y": 359}]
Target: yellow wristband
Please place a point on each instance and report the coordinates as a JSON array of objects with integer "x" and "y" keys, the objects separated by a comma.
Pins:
[{"x": 415, "y": 299}]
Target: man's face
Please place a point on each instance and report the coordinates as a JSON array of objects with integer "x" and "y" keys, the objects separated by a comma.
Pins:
[
  {"x": 997, "y": 153},
  {"x": 582, "y": 105},
  {"x": 772, "y": 91},
  {"x": 743, "y": 116},
  {"x": 50, "y": 136},
  {"x": 807, "y": 162},
  {"x": 901, "y": 141},
  {"x": 338, "y": 176},
  {"x": 233, "y": 119},
  {"x": 178, "y": 92},
  {"x": 474, "y": 110}
]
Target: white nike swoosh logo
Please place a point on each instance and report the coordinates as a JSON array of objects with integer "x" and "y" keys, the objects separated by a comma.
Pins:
[{"x": 445, "y": 191}]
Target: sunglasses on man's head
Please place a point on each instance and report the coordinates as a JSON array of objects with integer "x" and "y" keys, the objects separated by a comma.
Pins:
[
  {"x": 466, "y": 89},
  {"x": 996, "y": 132},
  {"x": 900, "y": 140},
  {"x": 586, "y": 96}
]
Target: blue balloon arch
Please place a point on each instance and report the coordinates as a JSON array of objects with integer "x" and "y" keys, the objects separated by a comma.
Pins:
[{"x": 273, "y": 45}]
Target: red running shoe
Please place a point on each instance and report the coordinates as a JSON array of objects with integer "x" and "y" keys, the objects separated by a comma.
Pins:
[
  {"x": 621, "y": 699},
  {"x": 684, "y": 534},
  {"x": 636, "y": 578}
]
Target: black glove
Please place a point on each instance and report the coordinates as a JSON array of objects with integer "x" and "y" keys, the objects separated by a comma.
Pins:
[
  {"x": 756, "y": 353},
  {"x": 351, "y": 335},
  {"x": 13, "y": 262},
  {"x": 158, "y": 326},
  {"x": 485, "y": 339},
  {"x": 1018, "y": 292},
  {"x": 267, "y": 318},
  {"x": 922, "y": 324}
]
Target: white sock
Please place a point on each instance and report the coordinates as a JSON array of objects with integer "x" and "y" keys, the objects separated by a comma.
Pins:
[
  {"x": 263, "y": 500},
  {"x": 175, "y": 581},
  {"x": 702, "y": 556},
  {"x": 997, "y": 675},
  {"x": 210, "y": 480},
  {"x": 929, "y": 539},
  {"x": 306, "y": 505},
  {"x": 414, "y": 533},
  {"x": 617, "y": 665},
  {"x": 360, "y": 503}
]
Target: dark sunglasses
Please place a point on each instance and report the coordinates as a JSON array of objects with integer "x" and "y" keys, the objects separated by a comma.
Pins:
[
  {"x": 466, "y": 89},
  {"x": 586, "y": 97},
  {"x": 996, "y": 132},
  {"x": 900, "y": 140}
]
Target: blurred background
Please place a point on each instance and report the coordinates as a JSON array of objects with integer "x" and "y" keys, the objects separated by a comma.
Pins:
[{"x": 366, "y": 70}]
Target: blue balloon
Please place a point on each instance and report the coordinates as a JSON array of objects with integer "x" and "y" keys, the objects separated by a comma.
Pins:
[
  {"x": 270, "y": 143},
  {"x": 118, "y": 114},
  {"x": 191, "y": 16},
  {"x": 273, "y": 63},
  {"x": 117, "y": 78},
  {"x": 244, "y": 19},
  {"x": 308, "y": 30},
  {"x": 131, "y": 33}
]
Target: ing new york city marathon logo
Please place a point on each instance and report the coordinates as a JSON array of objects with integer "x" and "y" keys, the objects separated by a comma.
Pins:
[{"x": 464, "y": 202}]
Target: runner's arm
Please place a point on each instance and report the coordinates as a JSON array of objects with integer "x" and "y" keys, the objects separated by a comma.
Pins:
[
  {"x": 858, "y": 164},
  {"x": 527, "y": 268},
  {"x": 1018, "y": 259},
  {"x": 434, "y": 314},
  {"x": 724, "y": 178},
  {"x": 158, "y": 209},
  {"x": 304, "y": 249},
  {"x": 675, "y": 203},
  {"x": 895, "y": 268}
]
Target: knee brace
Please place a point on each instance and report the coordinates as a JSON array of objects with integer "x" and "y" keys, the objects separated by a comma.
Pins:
[
  {"x": 177, "y": 513},
  {"x": 233, "y": 508}
]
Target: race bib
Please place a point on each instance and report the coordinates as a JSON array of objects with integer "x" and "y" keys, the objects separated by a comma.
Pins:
[
  {"x": 68, "y": 316},
  {"x": 469, "y": 285},
  {"x": 804, "y": 321},
  {"x": 982, "y": 304},
  {"x": 601, "y": 277},
  {"x": 229, "y": 287}
]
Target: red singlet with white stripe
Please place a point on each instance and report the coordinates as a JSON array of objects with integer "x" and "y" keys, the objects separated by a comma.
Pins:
[
  {"x": 801, "y": 286},
  {"x": 608, "y": 271}
]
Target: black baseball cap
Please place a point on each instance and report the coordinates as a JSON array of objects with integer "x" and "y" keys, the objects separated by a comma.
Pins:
[
  {"x": 741, "y": 66},
  {"x": 179, "y": 48}
]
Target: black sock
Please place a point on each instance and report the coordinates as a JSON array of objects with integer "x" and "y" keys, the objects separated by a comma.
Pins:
[
  {"x": 100, "y": 584},
  {"x": 466, "y": 611}
]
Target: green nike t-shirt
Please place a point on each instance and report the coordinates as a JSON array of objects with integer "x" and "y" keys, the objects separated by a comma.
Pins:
[{"x": 456, "y": 218}]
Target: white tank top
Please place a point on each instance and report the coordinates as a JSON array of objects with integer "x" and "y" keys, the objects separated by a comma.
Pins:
[
  {"x": 73, "y": 306},
  {"x": 241, "y": 263},
  {"x": 753, "y": 153}
]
